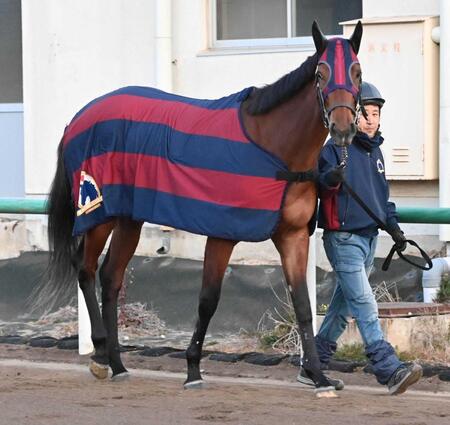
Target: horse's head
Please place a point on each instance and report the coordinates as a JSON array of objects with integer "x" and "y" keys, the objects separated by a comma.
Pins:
[{"x": 338, "y": 81}]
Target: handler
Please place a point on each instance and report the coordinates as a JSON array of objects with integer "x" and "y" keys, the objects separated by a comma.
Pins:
[{"x": 350, "y": 239}]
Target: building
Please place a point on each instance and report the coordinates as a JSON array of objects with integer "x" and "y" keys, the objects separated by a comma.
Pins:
[{"x": 57, "y": 55}]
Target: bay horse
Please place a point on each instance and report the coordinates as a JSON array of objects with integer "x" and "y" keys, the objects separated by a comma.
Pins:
[{"x": 115, "y": 171}]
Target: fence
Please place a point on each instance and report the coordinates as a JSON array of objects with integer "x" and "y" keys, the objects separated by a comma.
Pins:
[
  {"x": 38, "y": 206},
  {"x": 406, "y": 214}
]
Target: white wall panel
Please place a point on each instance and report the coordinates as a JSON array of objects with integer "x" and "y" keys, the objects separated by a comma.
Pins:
[
  {"x": 74, "y": 51},
  {"x": 399, "y": 57}
]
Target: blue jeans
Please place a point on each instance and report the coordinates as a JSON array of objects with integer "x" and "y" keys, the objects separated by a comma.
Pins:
[{"x": 351, "y": 257}]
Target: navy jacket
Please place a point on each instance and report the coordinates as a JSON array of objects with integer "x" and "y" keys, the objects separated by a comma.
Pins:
[{"x": 365, "y": 173}]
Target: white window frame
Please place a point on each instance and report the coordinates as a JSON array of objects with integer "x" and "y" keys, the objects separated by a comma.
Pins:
[{"x": 305, "y": 42}]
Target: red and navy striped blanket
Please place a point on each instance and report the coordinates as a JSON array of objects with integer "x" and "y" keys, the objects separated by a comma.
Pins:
[{"x": 171, "y": 160}]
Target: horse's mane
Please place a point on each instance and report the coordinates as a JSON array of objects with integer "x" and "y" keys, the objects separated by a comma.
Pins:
[{"x": 264, "y": 99}]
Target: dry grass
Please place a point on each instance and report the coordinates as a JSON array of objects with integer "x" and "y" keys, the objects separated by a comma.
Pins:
[
  {"x": 136, "y": 320},
  {"x": 443, "y": 295},
  {"x": 382, "y": 292},
  {"x": 278, "y": 329},
  {"x": 432, "y": 340}
]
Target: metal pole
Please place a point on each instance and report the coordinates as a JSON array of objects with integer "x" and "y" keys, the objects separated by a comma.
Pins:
[
  {"x": 406, "y": 214},
  {"x": 424, "y": 215},
  {"x": 311, "y": 279},
  {"x": 85, "y": 345},
  {"x": 22, "y": 206},
  {"x": 444, "y": 116}
]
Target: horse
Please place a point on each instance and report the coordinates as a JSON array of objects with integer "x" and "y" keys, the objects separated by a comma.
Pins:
[{"x": 280, "y": 127}]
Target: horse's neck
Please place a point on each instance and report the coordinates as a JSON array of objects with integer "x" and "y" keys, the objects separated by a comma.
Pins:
[{"x": 293, "y": 131}]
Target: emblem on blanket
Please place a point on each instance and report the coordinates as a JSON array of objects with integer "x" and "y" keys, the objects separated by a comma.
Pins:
[{"x": 89, "y": 198}]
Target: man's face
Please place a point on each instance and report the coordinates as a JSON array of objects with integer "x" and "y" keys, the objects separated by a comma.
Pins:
[{"x": 370, "y": 126}]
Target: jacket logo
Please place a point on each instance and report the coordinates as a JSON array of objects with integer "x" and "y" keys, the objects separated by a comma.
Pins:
[
  {"x": 380, "y": 166},
  {"x": 89, "y": 196}
]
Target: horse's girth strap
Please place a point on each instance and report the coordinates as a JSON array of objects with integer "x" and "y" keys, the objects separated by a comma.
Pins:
[{"x": 297, "y": 176}]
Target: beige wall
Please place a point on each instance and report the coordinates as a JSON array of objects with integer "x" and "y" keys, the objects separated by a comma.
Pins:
[{"x": 74, "y": 51}]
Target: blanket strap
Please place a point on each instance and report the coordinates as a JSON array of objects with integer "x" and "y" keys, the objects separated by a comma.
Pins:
[{"x": 297, "y": 176}]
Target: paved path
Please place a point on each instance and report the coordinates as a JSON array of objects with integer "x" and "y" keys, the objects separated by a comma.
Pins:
[{"x": 56, "y": 393}]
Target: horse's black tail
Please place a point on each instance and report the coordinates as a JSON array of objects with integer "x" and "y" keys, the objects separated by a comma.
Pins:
[{"x": 57, "y": 286}]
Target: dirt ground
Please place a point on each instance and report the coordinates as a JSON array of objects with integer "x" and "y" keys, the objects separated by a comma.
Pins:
[{"x": 52, "y": 386}]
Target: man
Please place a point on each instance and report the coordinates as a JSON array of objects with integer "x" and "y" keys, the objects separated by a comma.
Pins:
[{"x": 350, "y": 238}]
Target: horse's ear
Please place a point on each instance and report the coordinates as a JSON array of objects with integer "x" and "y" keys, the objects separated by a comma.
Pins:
[
  {"x": 355, "y": 39},
  {"x": 320, "y": 40}
]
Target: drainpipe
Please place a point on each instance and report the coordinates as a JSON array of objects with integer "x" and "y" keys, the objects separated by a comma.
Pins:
[
  {"x": 444, "y": 117},
  {"x": 431, "y": 279},
  {"x": 163, "y": 38},
  {"x": 163, "y": 76}
]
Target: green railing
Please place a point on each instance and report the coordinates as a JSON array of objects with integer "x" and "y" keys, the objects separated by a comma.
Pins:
[
  {"x": 22, "y": 206},
  {"x": 424, "y": 215},
  {"x": 406, "y": 214}
]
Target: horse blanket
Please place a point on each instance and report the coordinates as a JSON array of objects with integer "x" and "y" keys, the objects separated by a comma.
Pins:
[{"x": 171, "y": 160}]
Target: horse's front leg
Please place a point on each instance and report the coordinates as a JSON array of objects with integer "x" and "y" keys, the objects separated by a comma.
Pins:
[
  {"x": 293, "y": 248},
  {"x": 217, "y": 255}
]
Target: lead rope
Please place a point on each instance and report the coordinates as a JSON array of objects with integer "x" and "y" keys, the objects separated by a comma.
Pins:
[
  {"x": 382, "y": 225},
  {"x": 344, "y": 157}
]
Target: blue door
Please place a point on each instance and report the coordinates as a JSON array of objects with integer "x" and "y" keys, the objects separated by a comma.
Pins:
[{"x": 12, "y": 182}]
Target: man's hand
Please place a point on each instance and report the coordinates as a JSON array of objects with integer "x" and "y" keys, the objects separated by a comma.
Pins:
[
  {"x": 335, "y": 176},
  {"x": 399, "y": 238}
]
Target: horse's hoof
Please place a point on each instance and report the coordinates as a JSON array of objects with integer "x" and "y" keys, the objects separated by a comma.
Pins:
[
  {"x": 325, "y": 392},
  {"x": 123, "y": 376},
  {"x": 100, "y": 371},
  {"x": 195, "y": 385}
]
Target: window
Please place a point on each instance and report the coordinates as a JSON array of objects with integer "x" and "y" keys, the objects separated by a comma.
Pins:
[
  {"x": 10, "y": 52},
  {"x": 237, "y": 19},
  {"x": 278, "y": 22}
]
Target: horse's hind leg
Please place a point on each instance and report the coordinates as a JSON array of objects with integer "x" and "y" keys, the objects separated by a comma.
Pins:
[
  {"x": 94, "y": 242},
  {"x": 217, "y": 255},
  {"x": 124, "y": 240}
]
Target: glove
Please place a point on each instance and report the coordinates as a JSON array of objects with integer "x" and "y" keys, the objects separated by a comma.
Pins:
[
  {"x": 399, "y": 238},
  {"x": 335, "y": 176}
]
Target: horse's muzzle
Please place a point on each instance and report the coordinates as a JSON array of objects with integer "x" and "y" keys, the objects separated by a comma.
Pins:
[{"x": 342, "y": 137}]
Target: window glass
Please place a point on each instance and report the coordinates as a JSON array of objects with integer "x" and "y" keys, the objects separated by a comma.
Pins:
[
  {"x": 281, "y": 21},
  {"x": 10, "y": 52},
  {"x": 327, "y": 13},
  {"x": 244, "y": 19}
]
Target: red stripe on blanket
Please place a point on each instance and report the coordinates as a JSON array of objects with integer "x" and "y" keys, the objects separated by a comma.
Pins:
[
  {"x": 156, "y": 173},
  {"x": 180, "y": 116}
]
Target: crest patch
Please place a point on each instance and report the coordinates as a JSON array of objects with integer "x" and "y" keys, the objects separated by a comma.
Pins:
[{"x": 89, "y": 197}]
